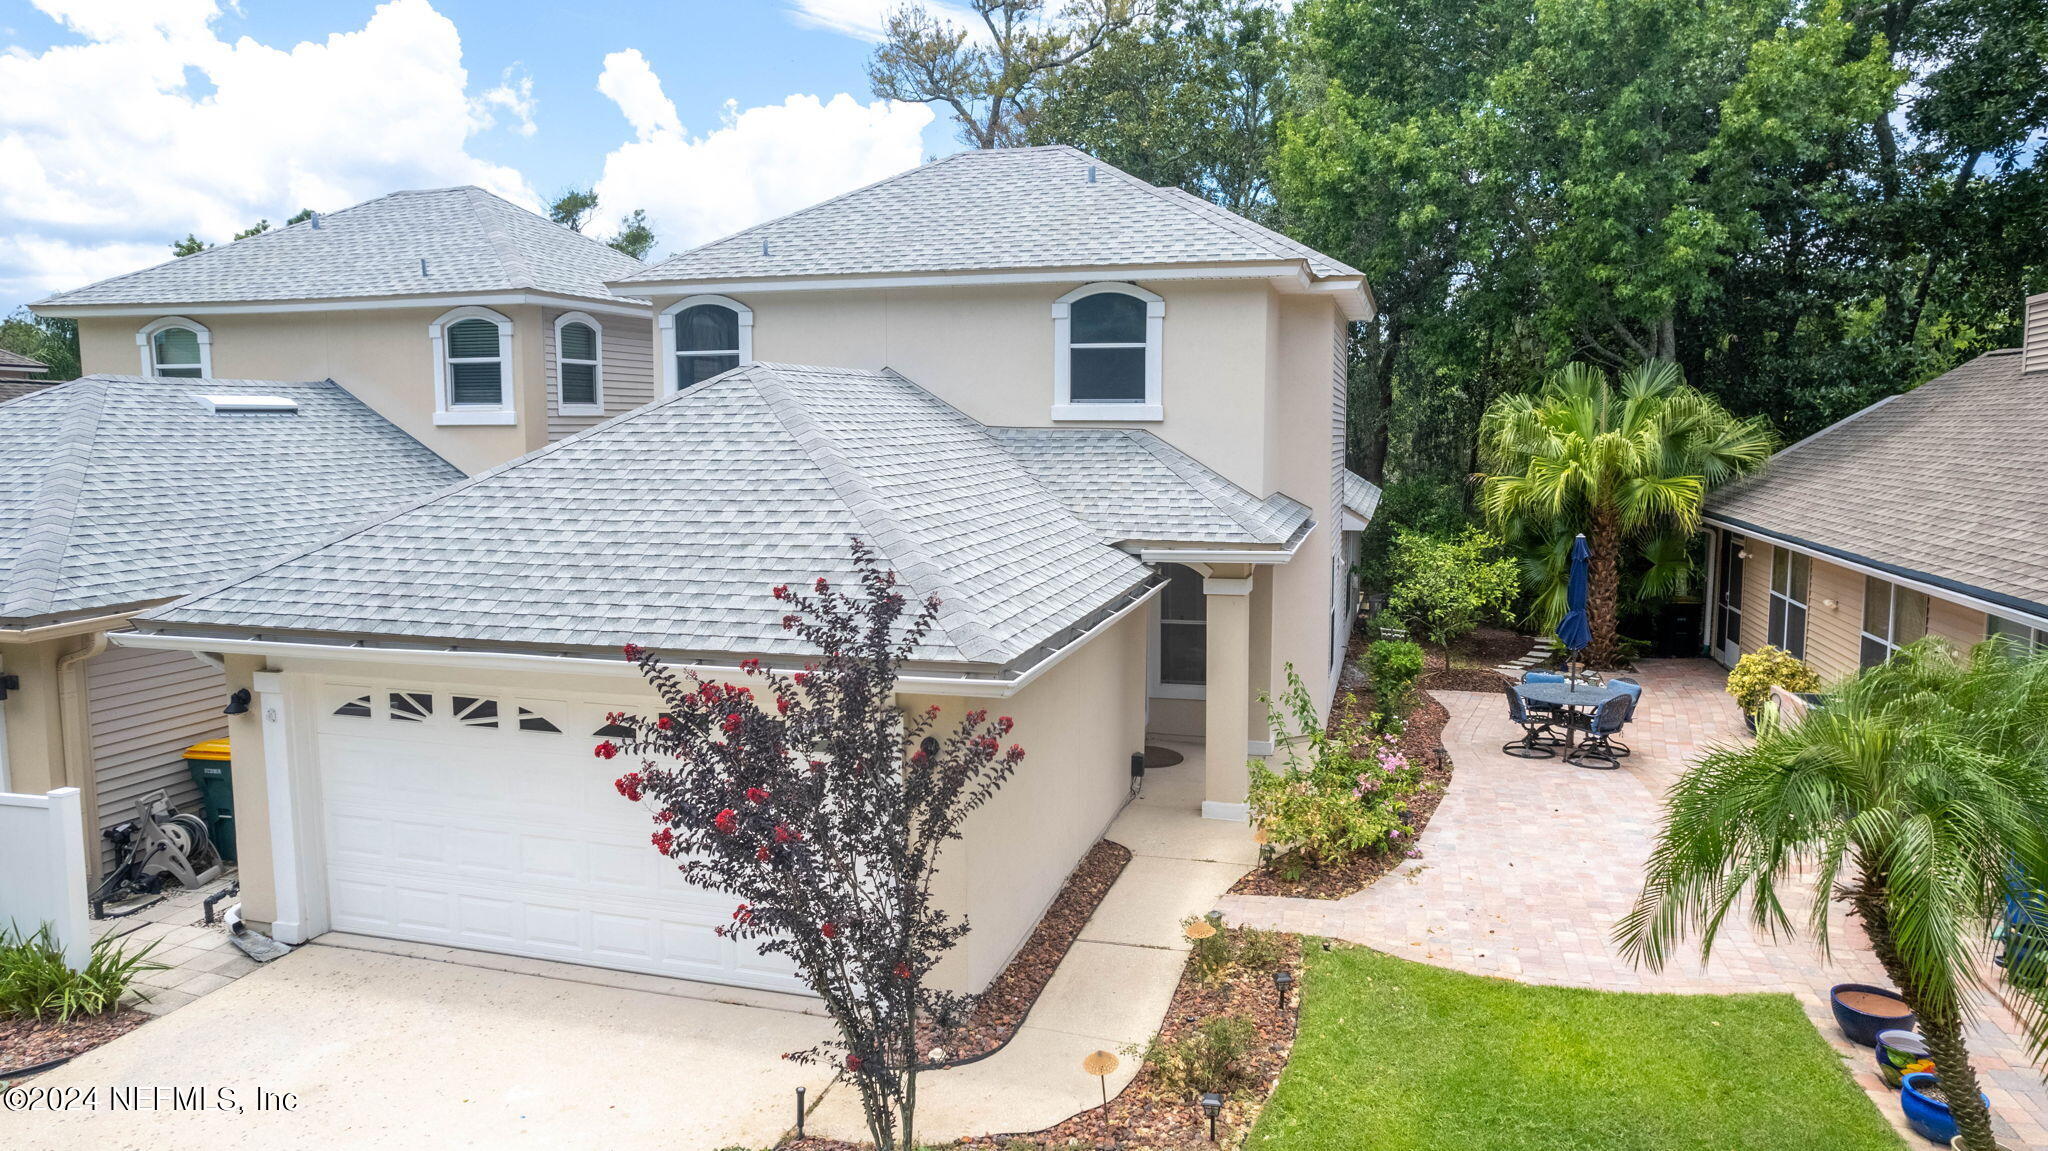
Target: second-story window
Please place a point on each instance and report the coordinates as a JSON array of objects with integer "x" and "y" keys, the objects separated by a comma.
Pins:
[
  {"x": 176, "y": 347},
  {"x": 473, "y": 367},
  {"x": 578, "y": 370},
  {"x": 705, "y": 335},
  {"x": 1107, "y": 355}
]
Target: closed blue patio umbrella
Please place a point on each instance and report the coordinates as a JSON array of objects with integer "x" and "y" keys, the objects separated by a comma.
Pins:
[{"x": 1574, "y": 630}]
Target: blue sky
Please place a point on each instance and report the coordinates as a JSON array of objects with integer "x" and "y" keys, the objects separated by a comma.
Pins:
[{"x": 132, "y": 122}]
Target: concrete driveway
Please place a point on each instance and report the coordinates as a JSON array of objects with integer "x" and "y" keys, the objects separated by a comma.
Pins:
[{"x": 407, "y": 1046}]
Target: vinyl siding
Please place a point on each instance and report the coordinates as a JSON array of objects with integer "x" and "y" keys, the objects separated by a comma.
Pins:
[
  {"x": 144, "y": 708},
  {"x": 1834, "y": 635},
  {"x": 1964, "y": 627},
  {"x": 627, "y": 358}
]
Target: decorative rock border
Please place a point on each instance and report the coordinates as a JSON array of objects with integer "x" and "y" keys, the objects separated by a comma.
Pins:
[{"x": 1541, "y": 653}]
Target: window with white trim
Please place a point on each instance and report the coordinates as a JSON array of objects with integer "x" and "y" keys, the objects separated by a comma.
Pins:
[
  {"x": 1893, "y": 617},
  {"x": 1790, "y": 574},
  {"x": 703, "y": 336},
  {"x": 175, "y": 346},
  {"x": 579, "y": 368},
  {"x": 1107, "y": 358},
  {"x": 2028, "y": 637},
  {"x": 1182, "y": 649},
  {"x": 473, "y": 377}
]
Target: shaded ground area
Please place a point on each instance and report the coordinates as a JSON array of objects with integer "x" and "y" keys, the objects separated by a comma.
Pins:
[{"x": 1398, "y": 1054}]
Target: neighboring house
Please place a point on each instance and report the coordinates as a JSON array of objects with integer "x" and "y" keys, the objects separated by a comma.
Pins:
[
  {"x": 123, "y": 493},
  {"x": 1919, "y": 515},
  {"x": 1102, "y": 421},
  {"x": 20, "y": 375},
  {"x": 480, "y": 328}
]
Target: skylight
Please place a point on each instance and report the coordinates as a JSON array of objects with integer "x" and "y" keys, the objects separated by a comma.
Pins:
[{"x": 220, "y": 404}]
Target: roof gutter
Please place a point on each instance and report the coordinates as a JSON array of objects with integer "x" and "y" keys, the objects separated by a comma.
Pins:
[
  {"x": 920, "y": 684},
  {"x": 1981, "y": 599},
  {"x": 1172, "y": 554}
]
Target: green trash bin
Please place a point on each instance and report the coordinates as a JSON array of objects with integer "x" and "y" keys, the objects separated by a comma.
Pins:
[{"x": 209, "y": 763}]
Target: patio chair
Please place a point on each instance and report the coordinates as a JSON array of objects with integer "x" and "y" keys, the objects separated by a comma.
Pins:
[
  {"x": 1554, "y": 714},
  {"x": 1596, "y": 749},
  {"x": 1538, "y": 735},
  {"x": 1635, "y": 696}
]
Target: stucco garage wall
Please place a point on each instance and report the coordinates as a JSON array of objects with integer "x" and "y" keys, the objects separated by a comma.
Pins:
[{"x": 1079, "y": 725}]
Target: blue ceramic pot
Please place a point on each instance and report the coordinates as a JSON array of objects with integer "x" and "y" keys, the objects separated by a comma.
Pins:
[
  {"x": 1862, "y": 1026},
  {"x": 1896, "y": 1049},
  {"x": 1927, "y": 1116}
]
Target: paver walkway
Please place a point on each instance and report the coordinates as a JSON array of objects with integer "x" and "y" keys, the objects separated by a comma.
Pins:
[
  {"x": 197, "y": 956},
  {"x": 1528, "y": 865},
  {"x": 1110, "y": 991}
]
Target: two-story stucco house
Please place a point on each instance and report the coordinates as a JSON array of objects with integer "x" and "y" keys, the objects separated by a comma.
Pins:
[{"x": 1102, "y": 421}]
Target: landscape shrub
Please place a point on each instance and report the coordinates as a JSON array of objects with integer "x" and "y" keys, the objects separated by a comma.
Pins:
[
  {"x": 35, "y": 983},
  {"x": 1394, "y": 667},
  {"x": 1338, "y": 794},
  {"x": 1766, "y": 667},
  {"x": 1444, "y": 586},
  {"x": 1211, "y": 1057}
]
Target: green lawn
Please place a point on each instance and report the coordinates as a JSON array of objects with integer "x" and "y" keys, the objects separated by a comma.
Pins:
[{"x": 1398, "y": 1056}]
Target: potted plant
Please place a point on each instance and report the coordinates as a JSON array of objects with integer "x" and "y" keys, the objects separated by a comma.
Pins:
[
  {"x": 1927, "y": 1111},
  {"x": 1758, "y": 672},
  {"x": 1862, "y": 1011},
  {"x": 1900, "y": 1052}
]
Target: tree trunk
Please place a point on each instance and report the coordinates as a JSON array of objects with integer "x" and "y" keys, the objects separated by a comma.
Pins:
[
  {"x": 1603, "y": 589},
  {"x": 1379, "y": 429},
  {"x": 1939, "y": 1023}
]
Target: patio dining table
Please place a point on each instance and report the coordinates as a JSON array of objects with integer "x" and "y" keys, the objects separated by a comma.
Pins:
[{"x": 1572, "y": 697}]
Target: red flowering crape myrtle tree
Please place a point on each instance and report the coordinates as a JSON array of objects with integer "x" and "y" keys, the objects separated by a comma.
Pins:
[{"x": 823, "y": 808}]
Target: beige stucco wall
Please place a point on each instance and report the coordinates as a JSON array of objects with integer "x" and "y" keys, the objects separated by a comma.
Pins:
[
  {"x": 1079, "y": 725},
  {"x": 35, "y": 745},
  {"x": 384, "y": 356}
]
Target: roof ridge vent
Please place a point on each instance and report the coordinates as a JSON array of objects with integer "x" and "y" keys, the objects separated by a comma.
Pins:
[{"x": 220, "y": 405}]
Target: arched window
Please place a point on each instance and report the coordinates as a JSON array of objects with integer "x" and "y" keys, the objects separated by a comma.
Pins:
[
  {"x": 1181, "y": 651},
  {"x": 473, "y": 367},
  {"x": 175, "y": 346},
  {"x": 703, "y": 336},
  {"x": 579, "y": 371},
  {"x": 1106, "y": 353}
]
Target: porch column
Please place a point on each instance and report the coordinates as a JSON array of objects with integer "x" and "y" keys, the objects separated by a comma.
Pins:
[{"x": 1227, "y": 594}]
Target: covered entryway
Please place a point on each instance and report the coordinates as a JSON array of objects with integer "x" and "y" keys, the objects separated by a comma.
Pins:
[{"x": 470, "y": 819}]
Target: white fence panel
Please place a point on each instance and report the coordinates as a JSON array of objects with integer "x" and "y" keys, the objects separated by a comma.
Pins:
[{"x": 42, "y": 869}]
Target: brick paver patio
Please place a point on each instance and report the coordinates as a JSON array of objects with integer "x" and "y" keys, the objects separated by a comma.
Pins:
[{"x": 1528, "y": 864}]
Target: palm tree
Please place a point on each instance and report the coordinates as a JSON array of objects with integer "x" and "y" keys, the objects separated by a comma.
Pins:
[
  {"x": 1921, "y": 788},
  {"x": 1620, "y": 464}
]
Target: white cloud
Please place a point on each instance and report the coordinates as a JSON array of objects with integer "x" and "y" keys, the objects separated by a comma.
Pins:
[
  {"x": 866, "y": 19},
  {"x": 757, "y": 164},
  {"x": 155, "y": 126}
]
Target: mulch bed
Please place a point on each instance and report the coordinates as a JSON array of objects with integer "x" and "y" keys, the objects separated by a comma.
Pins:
[
  {"x": 25, "y": 1042},
  {"x": 1144, "y": 1116},
  {"x": 1001, "y": 1008}
]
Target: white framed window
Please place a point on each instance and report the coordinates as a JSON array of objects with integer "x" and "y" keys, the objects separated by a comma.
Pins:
[
  {"x": 579, "y": 365},
  {"x": 1893, "y": 617},
  {"x": 176, "y": 346},
  {"x": 473, "y": 376},
  {"x": 702, "y": 336},
  {"x": 2026, "y": 635},
  {"x": 1791, "y": 572},
  {"x": 1107, "y": 358},
  {"x": 1180, "y": 652}
]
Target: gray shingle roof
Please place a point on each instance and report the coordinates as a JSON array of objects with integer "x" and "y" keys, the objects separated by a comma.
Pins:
[
  {"x": 15, "y": 361},
  {"x": 1361, "y": 495},
  {"x": 1948, "y": 480},
  {"x": 668, "y": 526},
  {"x": 15, "y": 389},
  {"x": 1007, "y": 208},
  {"x": 471, "y": 240},
  {"x": 1131, "y": 486},
  {"x": 124, "y": 489}
]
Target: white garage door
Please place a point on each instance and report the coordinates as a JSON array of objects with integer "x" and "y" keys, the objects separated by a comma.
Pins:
[{"x": 481, "y": 821}]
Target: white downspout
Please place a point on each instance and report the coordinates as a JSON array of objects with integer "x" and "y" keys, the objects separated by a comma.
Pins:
[
  {"x": 75, "y": 739},
  {"x": 6, "y": 780}
]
